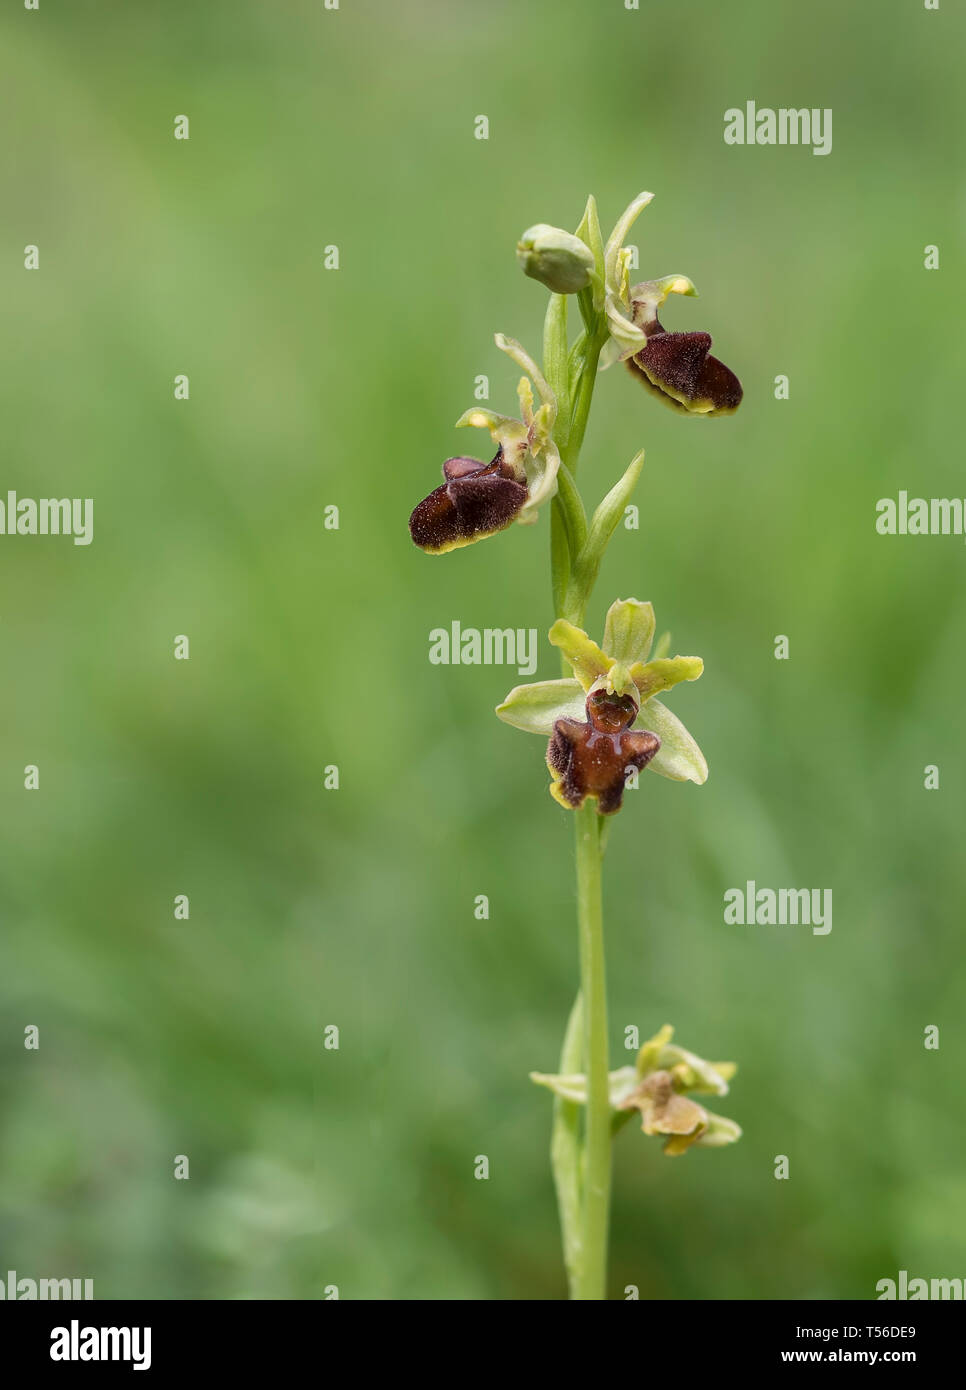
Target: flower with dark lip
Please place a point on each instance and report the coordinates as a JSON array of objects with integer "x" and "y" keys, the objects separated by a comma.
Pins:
[
  {"x": 607, "y": 720},
  {"x": 477, "y": 500},
  {"x": 593, "y": 758},
  {"x": 678, "y": 367}
]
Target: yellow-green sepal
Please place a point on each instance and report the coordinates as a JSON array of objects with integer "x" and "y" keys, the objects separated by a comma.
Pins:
[
  {"x": 536, "y": 707},
  {"x": 653, "y": 677},
  {"x": 679, "y": 758}
]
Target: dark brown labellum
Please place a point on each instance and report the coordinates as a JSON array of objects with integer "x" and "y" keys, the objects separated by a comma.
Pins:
[
  {"x": 592, "y": 758},
  {"x": 679, "y": 368},
  {"x": 476, "y": 500}
]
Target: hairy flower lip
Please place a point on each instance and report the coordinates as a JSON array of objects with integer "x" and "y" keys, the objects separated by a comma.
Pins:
[
  {"x": 592, "y": 757},
  {"x": 476, "y": 500},
  {"x": 680, "y": 370}
]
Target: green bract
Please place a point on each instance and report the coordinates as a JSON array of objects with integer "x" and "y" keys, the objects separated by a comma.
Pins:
[{"x": 621, "y": 667}]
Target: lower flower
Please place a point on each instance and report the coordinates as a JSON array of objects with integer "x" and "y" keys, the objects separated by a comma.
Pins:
[
  {"x": 594, "y": 758},
  {"x": 660, "y": 1087}
]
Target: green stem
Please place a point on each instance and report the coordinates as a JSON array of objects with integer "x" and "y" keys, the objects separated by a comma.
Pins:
[
  {"x": 580, "y": 1145},
  {"x": 565, "y": 1150},
  {"x": 591, "y": 1282}
]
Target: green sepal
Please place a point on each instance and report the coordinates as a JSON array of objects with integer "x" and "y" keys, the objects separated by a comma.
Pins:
[
  {"x": 573, "y": 1086},
  {"x": 653, "y": 677},
  {"x": 679, "y": 758},
  {"x": 629, "y": 630},
  {"x": 535, "y": 708}
]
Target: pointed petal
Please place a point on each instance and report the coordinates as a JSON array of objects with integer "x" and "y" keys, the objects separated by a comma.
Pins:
[
  {"x": 652, "y": 677},
  {"x": 584, "y": 655},
  {"x": 647, "y": 297},
  {"x": 511, "y": 435},
  {"x": 518, "y": 353},
  {"x": 535, "y": 708},
  {"x": 679, "y": 757}
]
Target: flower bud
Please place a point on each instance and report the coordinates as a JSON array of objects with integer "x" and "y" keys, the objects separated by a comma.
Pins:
[{"x": 556, "y": 258}]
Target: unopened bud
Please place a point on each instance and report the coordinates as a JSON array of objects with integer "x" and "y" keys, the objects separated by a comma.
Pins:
[{"x": 556, "y": 258}]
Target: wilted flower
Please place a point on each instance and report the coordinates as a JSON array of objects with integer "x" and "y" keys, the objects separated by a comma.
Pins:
[
  {"x": 478, "y": 499},
  {"x": 558, "y": 259},
  {"x": 606, "y": 721},
  {"x": 660, "y": 1087},
  {"x": 666, "y": 1074}
]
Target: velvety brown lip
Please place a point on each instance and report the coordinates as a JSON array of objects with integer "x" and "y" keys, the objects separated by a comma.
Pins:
[
  {"x": 592, "y": 758},
  {"x": 476, "y": 500},
  {"x": 675, "y": 365}
]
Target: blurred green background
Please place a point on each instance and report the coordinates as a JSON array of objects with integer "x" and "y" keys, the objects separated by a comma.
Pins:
[{"x": 309, "y": 647}]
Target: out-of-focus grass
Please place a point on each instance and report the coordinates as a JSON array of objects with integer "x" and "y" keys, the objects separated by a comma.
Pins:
[{"x": 354, "y": 907}]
